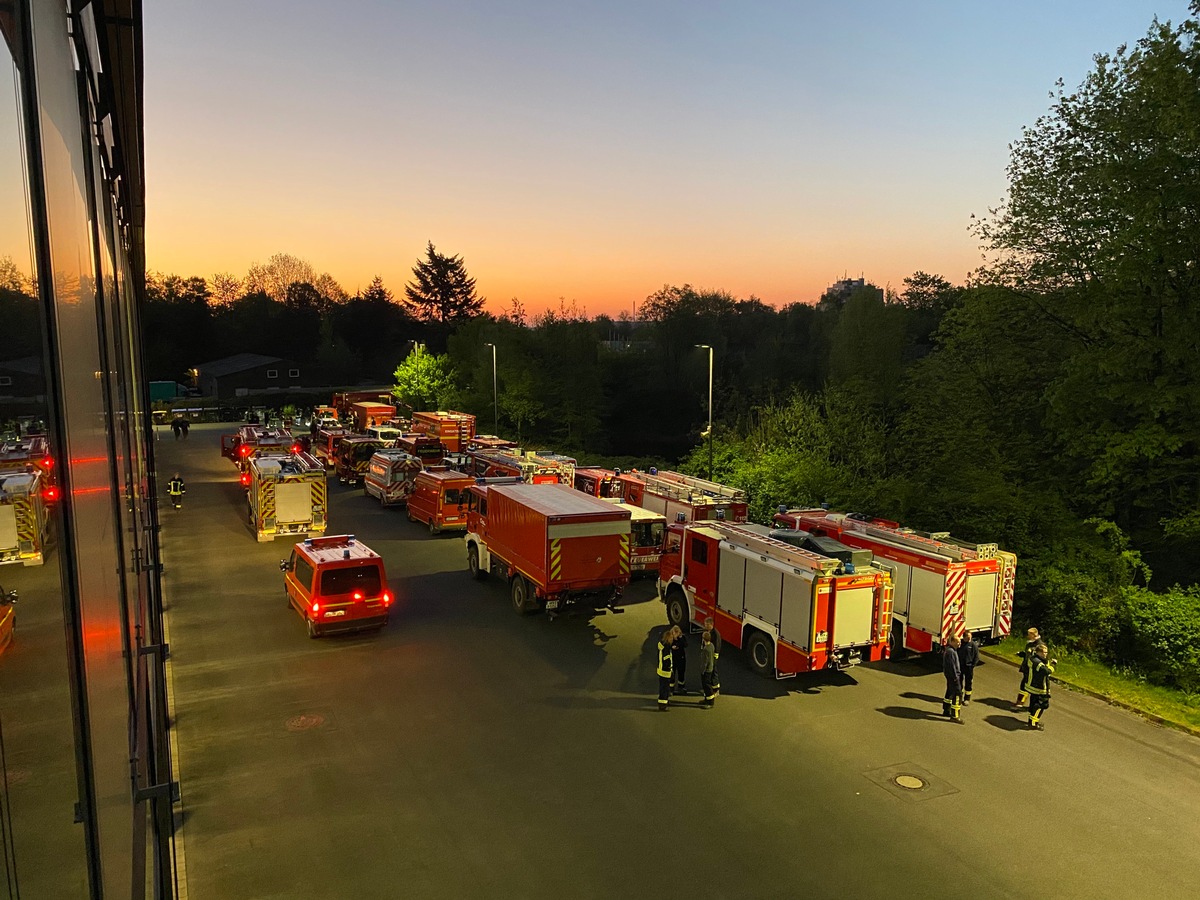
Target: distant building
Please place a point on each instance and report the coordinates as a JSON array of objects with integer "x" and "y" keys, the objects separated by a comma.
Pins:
[
  {"x": 22, "y": 380},
  {"x": 248, "y": 373},
  {"x": 166, "y": 390}
]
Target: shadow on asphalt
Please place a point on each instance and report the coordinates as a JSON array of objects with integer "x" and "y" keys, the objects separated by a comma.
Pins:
[
  {"x": 631, "y": 702},
  {"x": 1007, "y": 723},
  {"x": 909, "y": 712},
  {"x": 910, "y": 667},
  {"x": 996, "y": 703},
  {"x": 909, "y": 695}
]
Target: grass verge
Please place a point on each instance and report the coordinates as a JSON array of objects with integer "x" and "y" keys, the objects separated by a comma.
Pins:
[{"x": 1170, "y": 706}]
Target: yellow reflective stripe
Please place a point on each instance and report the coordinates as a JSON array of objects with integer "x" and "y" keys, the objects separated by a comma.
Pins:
[{"x": 555, "y": 559}]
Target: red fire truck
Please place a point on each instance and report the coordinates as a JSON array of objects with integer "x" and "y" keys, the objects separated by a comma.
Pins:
[
  {"x": 286, "y": 495},
  {"x": 32, "y": 452},
  {"x": 529, "y": 467},
  {"x": 366, "y": 414},
  {"x": 250, "y": 439},
  {"x": 675, "y": 496},
  {"x": 597, "y": 482},
  {"x": 425, "y": 447},
  {"x": 648, "y": 534},
  {"x": 557, "y": 547},
  {"x": 23, "y": 517},
  {"x": 490, "y": 442},
  {"x": 454, "y": 429},
  {"x": 943, "y": 586},
  {"x": 343, "y": 401},
  {"x": 353, "y": 455},
  {"x": 390, "y": 476},
  {"x": 792, "y": 610}
]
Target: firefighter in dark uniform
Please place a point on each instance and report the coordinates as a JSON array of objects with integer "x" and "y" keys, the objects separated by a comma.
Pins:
[
  {"x": 664, "y": 669},
  {"x": 968, "y": 659},
  {"x": 1032, "y": 639},
  {"x": 176, "y": 490},
  {"x": 952, "y": 669},
  {"x": 1040, "y": 670},
  {"x": 678, "y": 661}
]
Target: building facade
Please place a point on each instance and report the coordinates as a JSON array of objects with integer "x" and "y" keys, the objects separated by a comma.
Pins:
[{"x": 87, "y": 788}]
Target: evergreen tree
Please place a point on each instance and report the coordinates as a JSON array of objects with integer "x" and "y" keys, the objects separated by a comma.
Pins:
[{"x": 441, "y": 290}]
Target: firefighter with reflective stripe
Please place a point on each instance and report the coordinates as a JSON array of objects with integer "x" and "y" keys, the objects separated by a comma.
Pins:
[
  {"x": 1032, "y": 639},
  {"x": 664, "y": 669},
  {"x": 968, "y": 659},
  {"x": 679, "y": 661},
  {"x": 710, "y": 629},
  {"x": 176, "y": 490},
  {"x": 1040, "y": 671},
  {"x": 952, "y": 669},
  {"x": 708, "y": 662}
]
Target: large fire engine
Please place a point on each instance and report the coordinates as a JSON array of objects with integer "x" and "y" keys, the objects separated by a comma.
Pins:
[
  {"x": 943, "y": 586},
  {"x": 490, "y": 442},
  {"x": 367, "y": 414},
  {"x": 23, "y": 518},
  {"x": 287, "y": 495},
  {"x": 792, "y": 610},
  {"x": 556, "y": 546},
  {"x": 353, "y": 457},
  {"x": 343, "y": 401},
  {"x": 324, "y": 445},
  {"x": 454, "y": 429},
  {"x": 681, "y": 498},
  {"x": 251, "y": 439},
  {"x": 529, "y": 467}
]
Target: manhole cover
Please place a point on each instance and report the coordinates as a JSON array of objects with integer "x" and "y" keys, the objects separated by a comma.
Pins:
[
  {"x": 305, "y": 721},
  {"x": 911, "y": 782}
]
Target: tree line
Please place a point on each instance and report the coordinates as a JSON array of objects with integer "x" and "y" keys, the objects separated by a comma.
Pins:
[{"x": 1050, "y": 404}]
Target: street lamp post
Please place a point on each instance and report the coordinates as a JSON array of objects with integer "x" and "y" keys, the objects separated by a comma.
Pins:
[
  {"x": 709, "y": 348},
  {"x": 495, "y": 395}
]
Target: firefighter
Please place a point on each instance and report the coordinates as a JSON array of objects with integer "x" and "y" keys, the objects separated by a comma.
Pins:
[
  {"x": 710, "y": 628},
  {"x": 1038, "y": 685},
  {"x": 678, "y": 661},
  {"x": 176, "y": 490},
  {"x": 708, "y": 664},
  {"x": 1032, "y": 639},
  {"x": 968, "y": 659},
  {"x": 664, "y": 669},
  {"x": 952, "y": 669}
]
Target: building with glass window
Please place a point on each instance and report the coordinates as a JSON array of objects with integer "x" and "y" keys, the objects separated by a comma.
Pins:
[{"x": 86, "y": 791}]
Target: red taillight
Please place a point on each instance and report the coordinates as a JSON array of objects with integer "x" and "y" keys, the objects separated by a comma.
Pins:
[
  {"x": 295, "y": 448},
  {"x": 316, "y": 607},
  {"x": 50, "y": 494},
  {"x": 48, "y": 462},
  {"x": 358, "y": 595},
  {"x": 244, "y": 450},
  {"x": 387, "y": 598},
  {"x": 245, "y": 478}
]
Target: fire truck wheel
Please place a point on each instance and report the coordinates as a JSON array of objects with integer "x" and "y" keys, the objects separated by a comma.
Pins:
[
  {"x": 896, "y": 642},
  {"x": 411, "y": 517},
  {"x": 473, "y": 563},
  {"x": 433, "y": 529},
  {"x": 676, "y": 608},
  {"x": 312, "y": 629},
  {"x": 762, "y": 654},
  {"x": 520, "y": 596}
]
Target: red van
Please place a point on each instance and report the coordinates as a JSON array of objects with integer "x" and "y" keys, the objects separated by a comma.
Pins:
[
  {"x": 336, "y": 583},
  {"x": 439, "y": 499}
]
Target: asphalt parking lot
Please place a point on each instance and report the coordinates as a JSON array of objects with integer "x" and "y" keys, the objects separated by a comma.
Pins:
[{"x": 467, "y": 752}]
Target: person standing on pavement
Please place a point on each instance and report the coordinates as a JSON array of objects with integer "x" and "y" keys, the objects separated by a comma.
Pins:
[
  {"x": 664, "y": 669},
  {"x": 711, "y": 629},
  {"x": 952, "y": 669},
  {"x": 185, "y": 425},
  {"x": 708, "y": 664},
  {"x": 679, "y": 661},
  {"x": 1040, "y": 670},
  {"x": 1032, "y": 639},
  {"x": 968, "y": 659}
]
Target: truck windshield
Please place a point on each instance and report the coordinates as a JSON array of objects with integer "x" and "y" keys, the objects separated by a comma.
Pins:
[
  {"x": 346, "y": 581},
  {"x": 455, "y": 496},
  {"x": 647, "y": 534}
]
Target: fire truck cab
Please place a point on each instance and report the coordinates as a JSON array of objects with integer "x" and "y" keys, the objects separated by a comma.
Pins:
[
  {"x": 336, "y": 583},
  {"x": 648, "y": 532},
  {"x": 251, "y": 439},
  {"x": 353, "y": 457},
  {"x": 597, "y": 482}
]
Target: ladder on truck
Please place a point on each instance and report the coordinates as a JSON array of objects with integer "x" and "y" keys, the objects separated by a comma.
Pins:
[
  {"x": 796, "y": 557},
  {"x": 932, "y": 542},
  {"x": 701, "y": 486}
]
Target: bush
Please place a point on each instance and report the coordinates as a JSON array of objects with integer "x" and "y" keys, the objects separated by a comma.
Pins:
[{"x": 1161, "y": 635}]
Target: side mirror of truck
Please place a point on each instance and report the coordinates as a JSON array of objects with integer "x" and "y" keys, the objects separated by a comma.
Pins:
[
  {"x": 284, "y": 566},
  {"x": 10, "y": 597}
]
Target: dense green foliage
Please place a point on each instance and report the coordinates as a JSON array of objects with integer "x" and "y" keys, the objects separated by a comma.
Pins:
[{"x": 1051, "y": 405}]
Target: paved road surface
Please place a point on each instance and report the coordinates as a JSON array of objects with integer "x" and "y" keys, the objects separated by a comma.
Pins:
[{"x": 466, "y": 752}]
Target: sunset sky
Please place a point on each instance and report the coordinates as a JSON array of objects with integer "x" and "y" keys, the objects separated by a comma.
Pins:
[{"x": 596, "y": 151}]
